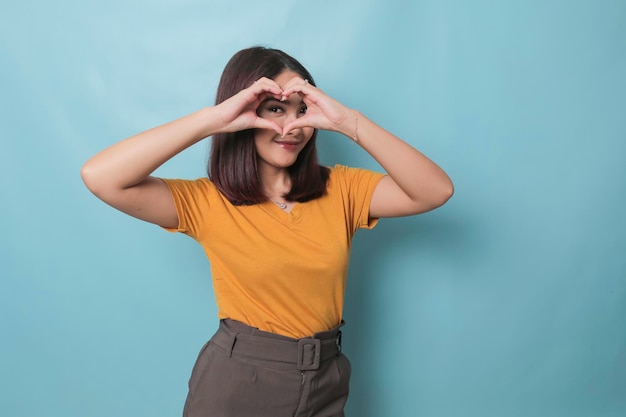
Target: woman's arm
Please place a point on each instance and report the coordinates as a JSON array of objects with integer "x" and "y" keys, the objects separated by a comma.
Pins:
[
  {"x": 414, "y": 184},
  {"x": 120, "y": 175}
]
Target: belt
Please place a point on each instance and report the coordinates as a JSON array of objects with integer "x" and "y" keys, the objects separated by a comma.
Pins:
[{"x": 306, "y": 354}]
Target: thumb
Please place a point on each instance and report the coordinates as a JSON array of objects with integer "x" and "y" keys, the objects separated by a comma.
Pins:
[
  {"x": 262, "y": 123},
  {"x": 296, "y": 124}
]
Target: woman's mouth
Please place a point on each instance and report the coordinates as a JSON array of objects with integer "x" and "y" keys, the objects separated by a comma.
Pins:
[{"x": 288, "y": 145}]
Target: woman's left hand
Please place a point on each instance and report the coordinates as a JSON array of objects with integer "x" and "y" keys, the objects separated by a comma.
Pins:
[
  {"x": 322, "y": 111},
  {"x": 415, "y": 184}
]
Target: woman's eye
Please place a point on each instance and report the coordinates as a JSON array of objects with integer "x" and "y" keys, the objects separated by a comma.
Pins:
[
  {"x": 303, "y": 110},
  {"x": 275, "y": 109}
]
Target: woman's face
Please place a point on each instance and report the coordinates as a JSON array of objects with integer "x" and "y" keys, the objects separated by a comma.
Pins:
[{"x": 273, "y": 150}]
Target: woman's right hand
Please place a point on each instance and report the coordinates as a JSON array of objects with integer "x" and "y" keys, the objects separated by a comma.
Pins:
[
  {"x": 120, "y": 174},
  {"x": 239, "y": 112}
]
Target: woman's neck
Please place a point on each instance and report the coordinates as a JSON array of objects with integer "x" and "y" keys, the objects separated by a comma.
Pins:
[{"x": 275, "y": 183}]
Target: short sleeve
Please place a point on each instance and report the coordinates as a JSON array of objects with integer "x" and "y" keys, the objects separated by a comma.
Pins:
[
  {"x": 192, "y": 202},
  {"x": 357, "y": 186}
]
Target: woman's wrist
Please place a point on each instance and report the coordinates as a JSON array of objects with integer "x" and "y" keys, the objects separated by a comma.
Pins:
[
  {"x": 350, "y": 126},
  {"x": 212, "y": 121},
  {"x": 355, "y": 137}
]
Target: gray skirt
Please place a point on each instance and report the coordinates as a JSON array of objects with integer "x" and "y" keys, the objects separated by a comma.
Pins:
[{"x": 243, "y": 371}]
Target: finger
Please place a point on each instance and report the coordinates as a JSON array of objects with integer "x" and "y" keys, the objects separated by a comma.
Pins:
[
  {"x": 296, "y": 124},
  {"x": 294, "y": 81},
  {"x": 298, "y": 85},
  {"x": 266, "y": 85},
  {"x": 265, "y": 80},
  {"x": 261, "y": 123}
]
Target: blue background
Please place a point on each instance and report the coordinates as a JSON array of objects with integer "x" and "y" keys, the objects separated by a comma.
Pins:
[{"x": 508, "y": 301}]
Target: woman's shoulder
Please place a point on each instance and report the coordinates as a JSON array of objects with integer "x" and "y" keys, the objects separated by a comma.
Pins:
[
  {"x": 190, "y": 186},
  {"x": 353, "y": 181},
  {"x": 339, "y": 171},
  {"x": 197, "y": 182}
]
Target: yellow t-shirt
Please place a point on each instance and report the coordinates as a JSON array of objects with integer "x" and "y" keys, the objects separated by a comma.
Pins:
[{"x": 280, "y": 272}]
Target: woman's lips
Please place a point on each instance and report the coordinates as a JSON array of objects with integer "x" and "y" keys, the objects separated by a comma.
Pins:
[{"x": 290, "y": 146}]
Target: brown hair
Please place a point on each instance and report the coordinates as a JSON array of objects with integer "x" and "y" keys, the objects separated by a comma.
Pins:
[{"x": 233, "y": 162}]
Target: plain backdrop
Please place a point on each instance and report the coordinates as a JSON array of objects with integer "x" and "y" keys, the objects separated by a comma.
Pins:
[{"x": 508, "y": 301}]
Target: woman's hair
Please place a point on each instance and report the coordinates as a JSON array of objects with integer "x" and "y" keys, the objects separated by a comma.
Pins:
[{"x": 233, "y": 163}]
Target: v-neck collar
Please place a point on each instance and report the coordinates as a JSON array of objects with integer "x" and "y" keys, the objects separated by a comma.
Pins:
[{"x": 281, "y": 215}]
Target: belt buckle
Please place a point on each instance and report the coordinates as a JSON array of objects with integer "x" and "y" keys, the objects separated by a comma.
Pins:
[{"x": 317, "y": 353}]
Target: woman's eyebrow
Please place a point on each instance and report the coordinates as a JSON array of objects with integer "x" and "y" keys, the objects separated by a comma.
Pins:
[
  {"x": 271, "y": 99},
  {"x": 277, "y": 101}
]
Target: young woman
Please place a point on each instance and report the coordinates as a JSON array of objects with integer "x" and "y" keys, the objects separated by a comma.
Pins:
[{"x": 275, "y": 225}]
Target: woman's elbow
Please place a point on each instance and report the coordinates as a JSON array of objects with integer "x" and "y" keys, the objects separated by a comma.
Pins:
[
  {"x": 448, "y": 192},
  {"x": 443, "y": 194},
  {"x": 85, "y": 174},
  {"x": 91, "y": 179}
]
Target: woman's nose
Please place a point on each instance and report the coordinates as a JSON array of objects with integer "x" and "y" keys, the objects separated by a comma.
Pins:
[
  {"x": 292, "y": 115},
  {"x": 289, "y": 117}
]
